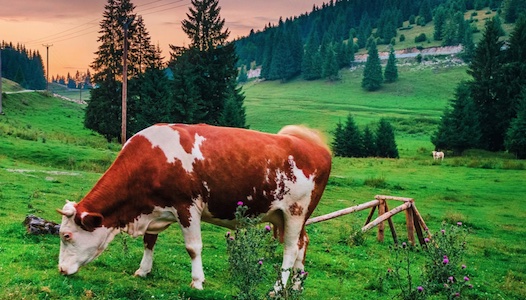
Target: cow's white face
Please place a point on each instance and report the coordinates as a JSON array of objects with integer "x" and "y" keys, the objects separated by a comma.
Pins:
[{"x": 79, "y": 246}]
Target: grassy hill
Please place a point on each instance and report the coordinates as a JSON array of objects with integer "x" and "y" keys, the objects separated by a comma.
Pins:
[
  {"x": 46, "y": 156},
  {"x": 10, "y": 86}
]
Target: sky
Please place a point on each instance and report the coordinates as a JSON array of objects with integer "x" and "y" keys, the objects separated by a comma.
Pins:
[{"x": 70, "y": 27}]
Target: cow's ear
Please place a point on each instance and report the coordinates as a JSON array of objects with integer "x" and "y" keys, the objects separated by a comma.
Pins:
[{"x": 90, "y": 221}]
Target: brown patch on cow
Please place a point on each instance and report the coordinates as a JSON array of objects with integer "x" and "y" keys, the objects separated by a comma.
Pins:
[
  {"x": 149, "y": 240},
  {"x": 191, "y": 252},
  {"x": 184, "y": 215},
  {"x": 296, "y": 209}
]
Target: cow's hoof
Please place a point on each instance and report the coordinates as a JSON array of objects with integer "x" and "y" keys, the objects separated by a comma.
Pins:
[
  {"x": 198, "y": 285},
  {"x": 141, "y": 273}
]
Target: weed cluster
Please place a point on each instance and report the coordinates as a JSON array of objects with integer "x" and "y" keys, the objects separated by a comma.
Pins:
[
  {"x": 442, "y": 272},
  {"x": 251, "y": 248}
]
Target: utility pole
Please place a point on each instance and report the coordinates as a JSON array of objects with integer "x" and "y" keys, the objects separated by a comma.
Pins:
[
  {"x": 126, "y": 24},
  {"x": 47, "y": 65}
]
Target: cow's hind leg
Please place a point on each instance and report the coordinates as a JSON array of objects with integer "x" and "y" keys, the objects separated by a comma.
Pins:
[
  {"x": 194, "y": 246},
  {"x": 291, "y": 250},
  {"x": 147, "y": 257}
]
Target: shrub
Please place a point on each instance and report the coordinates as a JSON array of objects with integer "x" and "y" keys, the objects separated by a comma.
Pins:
[
  {"x": 420, "y": 38},
  {"x": 249, "y": 248}
]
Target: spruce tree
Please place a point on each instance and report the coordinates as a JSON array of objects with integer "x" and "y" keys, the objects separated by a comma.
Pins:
[
  {"x": 213, "y": 63},
  {"x": 487, "y": 88},
  {"x": 369, "y": 143},
  {"x": 459, "y": 126},
  {"x": 347, "y": 139},
  {"x": 391, "y": 71},
  {"x": 385, "y": 140},
  {"x": 372, "y": 73},
  {"x": 103, "y": 113},
  {"x": 330, "y": 64},
  {"x": 516, "y": 134}
]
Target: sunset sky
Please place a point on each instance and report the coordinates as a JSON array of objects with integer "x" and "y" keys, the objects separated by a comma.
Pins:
[{"x": 71, "y": 26}]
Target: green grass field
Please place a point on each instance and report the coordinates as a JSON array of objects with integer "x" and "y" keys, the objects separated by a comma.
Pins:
[{"x": 46, "y": 156}]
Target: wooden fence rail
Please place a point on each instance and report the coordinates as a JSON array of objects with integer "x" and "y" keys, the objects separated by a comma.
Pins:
[{"x": 414, "y": 221}]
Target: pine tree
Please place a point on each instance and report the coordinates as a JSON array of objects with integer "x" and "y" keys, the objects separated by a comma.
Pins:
[
  {"x": 372, "y": 73},
  {"x": 385, "y": 140},
  {"x": 213, "y": 61},
  {"x": 347, "y": 139},
  {"x": 104, "y": 108},
  {"x": 391, "y": 71},
  {"x": 330, "y": 64},
  {"x": 459, "y": 127},
  {"x": 487, "y": 88},
  {"x": 516, "y": 135},
  {"x": 369, "y": 143},
  {"x": 311, "y": 67}
]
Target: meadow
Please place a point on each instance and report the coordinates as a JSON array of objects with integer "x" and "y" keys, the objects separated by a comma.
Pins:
[{"x": 46, "y": 156}]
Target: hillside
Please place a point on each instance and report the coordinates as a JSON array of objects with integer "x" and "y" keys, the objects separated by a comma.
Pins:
[
  {"x": 10, "y": 86},
  {"x": 46, "y": 156}
]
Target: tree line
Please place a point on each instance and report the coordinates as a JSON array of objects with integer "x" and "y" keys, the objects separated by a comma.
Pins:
[
  {"x": 318, "y": 43},
  {"x": 489, "y": 111},
  {"x": 23, "y": 66},
  {"x": 203, "y": 88}
]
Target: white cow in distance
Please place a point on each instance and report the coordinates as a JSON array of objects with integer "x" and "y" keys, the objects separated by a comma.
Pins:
[{"x": 438, "y": 155}]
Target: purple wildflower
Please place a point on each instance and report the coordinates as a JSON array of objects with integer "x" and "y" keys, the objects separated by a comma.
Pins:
[
  {"x": 443, "y": 231},
  {"x": 426, "y": 240},
  {"x": 267, "y": 228},
  {"x": 445, "y": 261},
  {"x": 457, "y": 294},
  {"x": 450, "y": 279},
  {"x": 420, "y": 289},
  {"x": 470, "y": 286},
  {"x": 240, "y": 203},
  {"x": 227, "y": 233},
  {"x": 463, "y": 266},
  {"x": 459, "y": 223},
  {"x": 466, "y": 278},
  {"x": 404, "y": 244},
  {"x": 260, "y": 262}
]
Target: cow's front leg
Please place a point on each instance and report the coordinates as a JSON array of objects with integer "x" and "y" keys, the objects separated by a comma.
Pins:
[
  {"x": 194, "y": 246},
  {"x": 147, "y": 257}
]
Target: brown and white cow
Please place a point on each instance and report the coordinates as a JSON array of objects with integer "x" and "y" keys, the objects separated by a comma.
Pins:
[{"x": 171, "y": 173}]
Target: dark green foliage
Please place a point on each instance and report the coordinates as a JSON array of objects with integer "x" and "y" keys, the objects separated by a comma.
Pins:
[
  {"x": 243, "y": 76},
  {"x": 205, "y": 72},
  {"x": 420, "y": 38},
  {"x": 516, "y": 135},
  {"x": 391, "y": 71},
  {"x": 385, "y": 140},
  {"x": 372, "y": 73},
  {"x": 459, "y": 126},
  {"x": 103, "y": 113},
  {"x": 487, "y": 88},
  {"x": 347, "y": 139},
  {"x": 369, "y": 142},
  {"x": 330, "y": 64},
  {"x": 23, "y": 66},
  {"x": 513, "y": 9},
  {"x": 439, "y": 20},
  {"x": 104, "y": 109}
]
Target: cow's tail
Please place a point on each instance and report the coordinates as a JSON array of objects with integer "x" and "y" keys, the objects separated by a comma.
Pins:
[{"x": 305, "y": 133}]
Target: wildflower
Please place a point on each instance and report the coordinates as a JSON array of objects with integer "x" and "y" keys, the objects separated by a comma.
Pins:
[
  {"x": 267, "y": 228},
  {"x": 466, "y": 278},
  {"x": 420, "y": 289},
  {"x": 463, "y": 266},
  {"x": 227, "y": 233},
  {"x": 459, "y": 223},
  {"x": 443, "y": 231},
  {"x": 260, "y": 262},
  {"x": 445, "y": 261},
  {"x": 457, "y": 294},
  {"x": 404, "y": 245},
  {"x": 470, "y": 286},
  {"x": 450, "y": 279},
  {"x": 426, "y": 240},
  {"x": 240, "y": 203}
]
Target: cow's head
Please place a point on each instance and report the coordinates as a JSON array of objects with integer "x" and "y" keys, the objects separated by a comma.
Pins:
[{"x": 82, "y": 238}]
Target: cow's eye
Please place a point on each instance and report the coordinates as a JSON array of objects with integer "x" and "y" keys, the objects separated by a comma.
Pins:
[{"x": 66, "y": 236}]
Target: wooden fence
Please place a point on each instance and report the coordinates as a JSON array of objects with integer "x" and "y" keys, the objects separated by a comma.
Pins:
[{"x": 414, "y": 221}]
